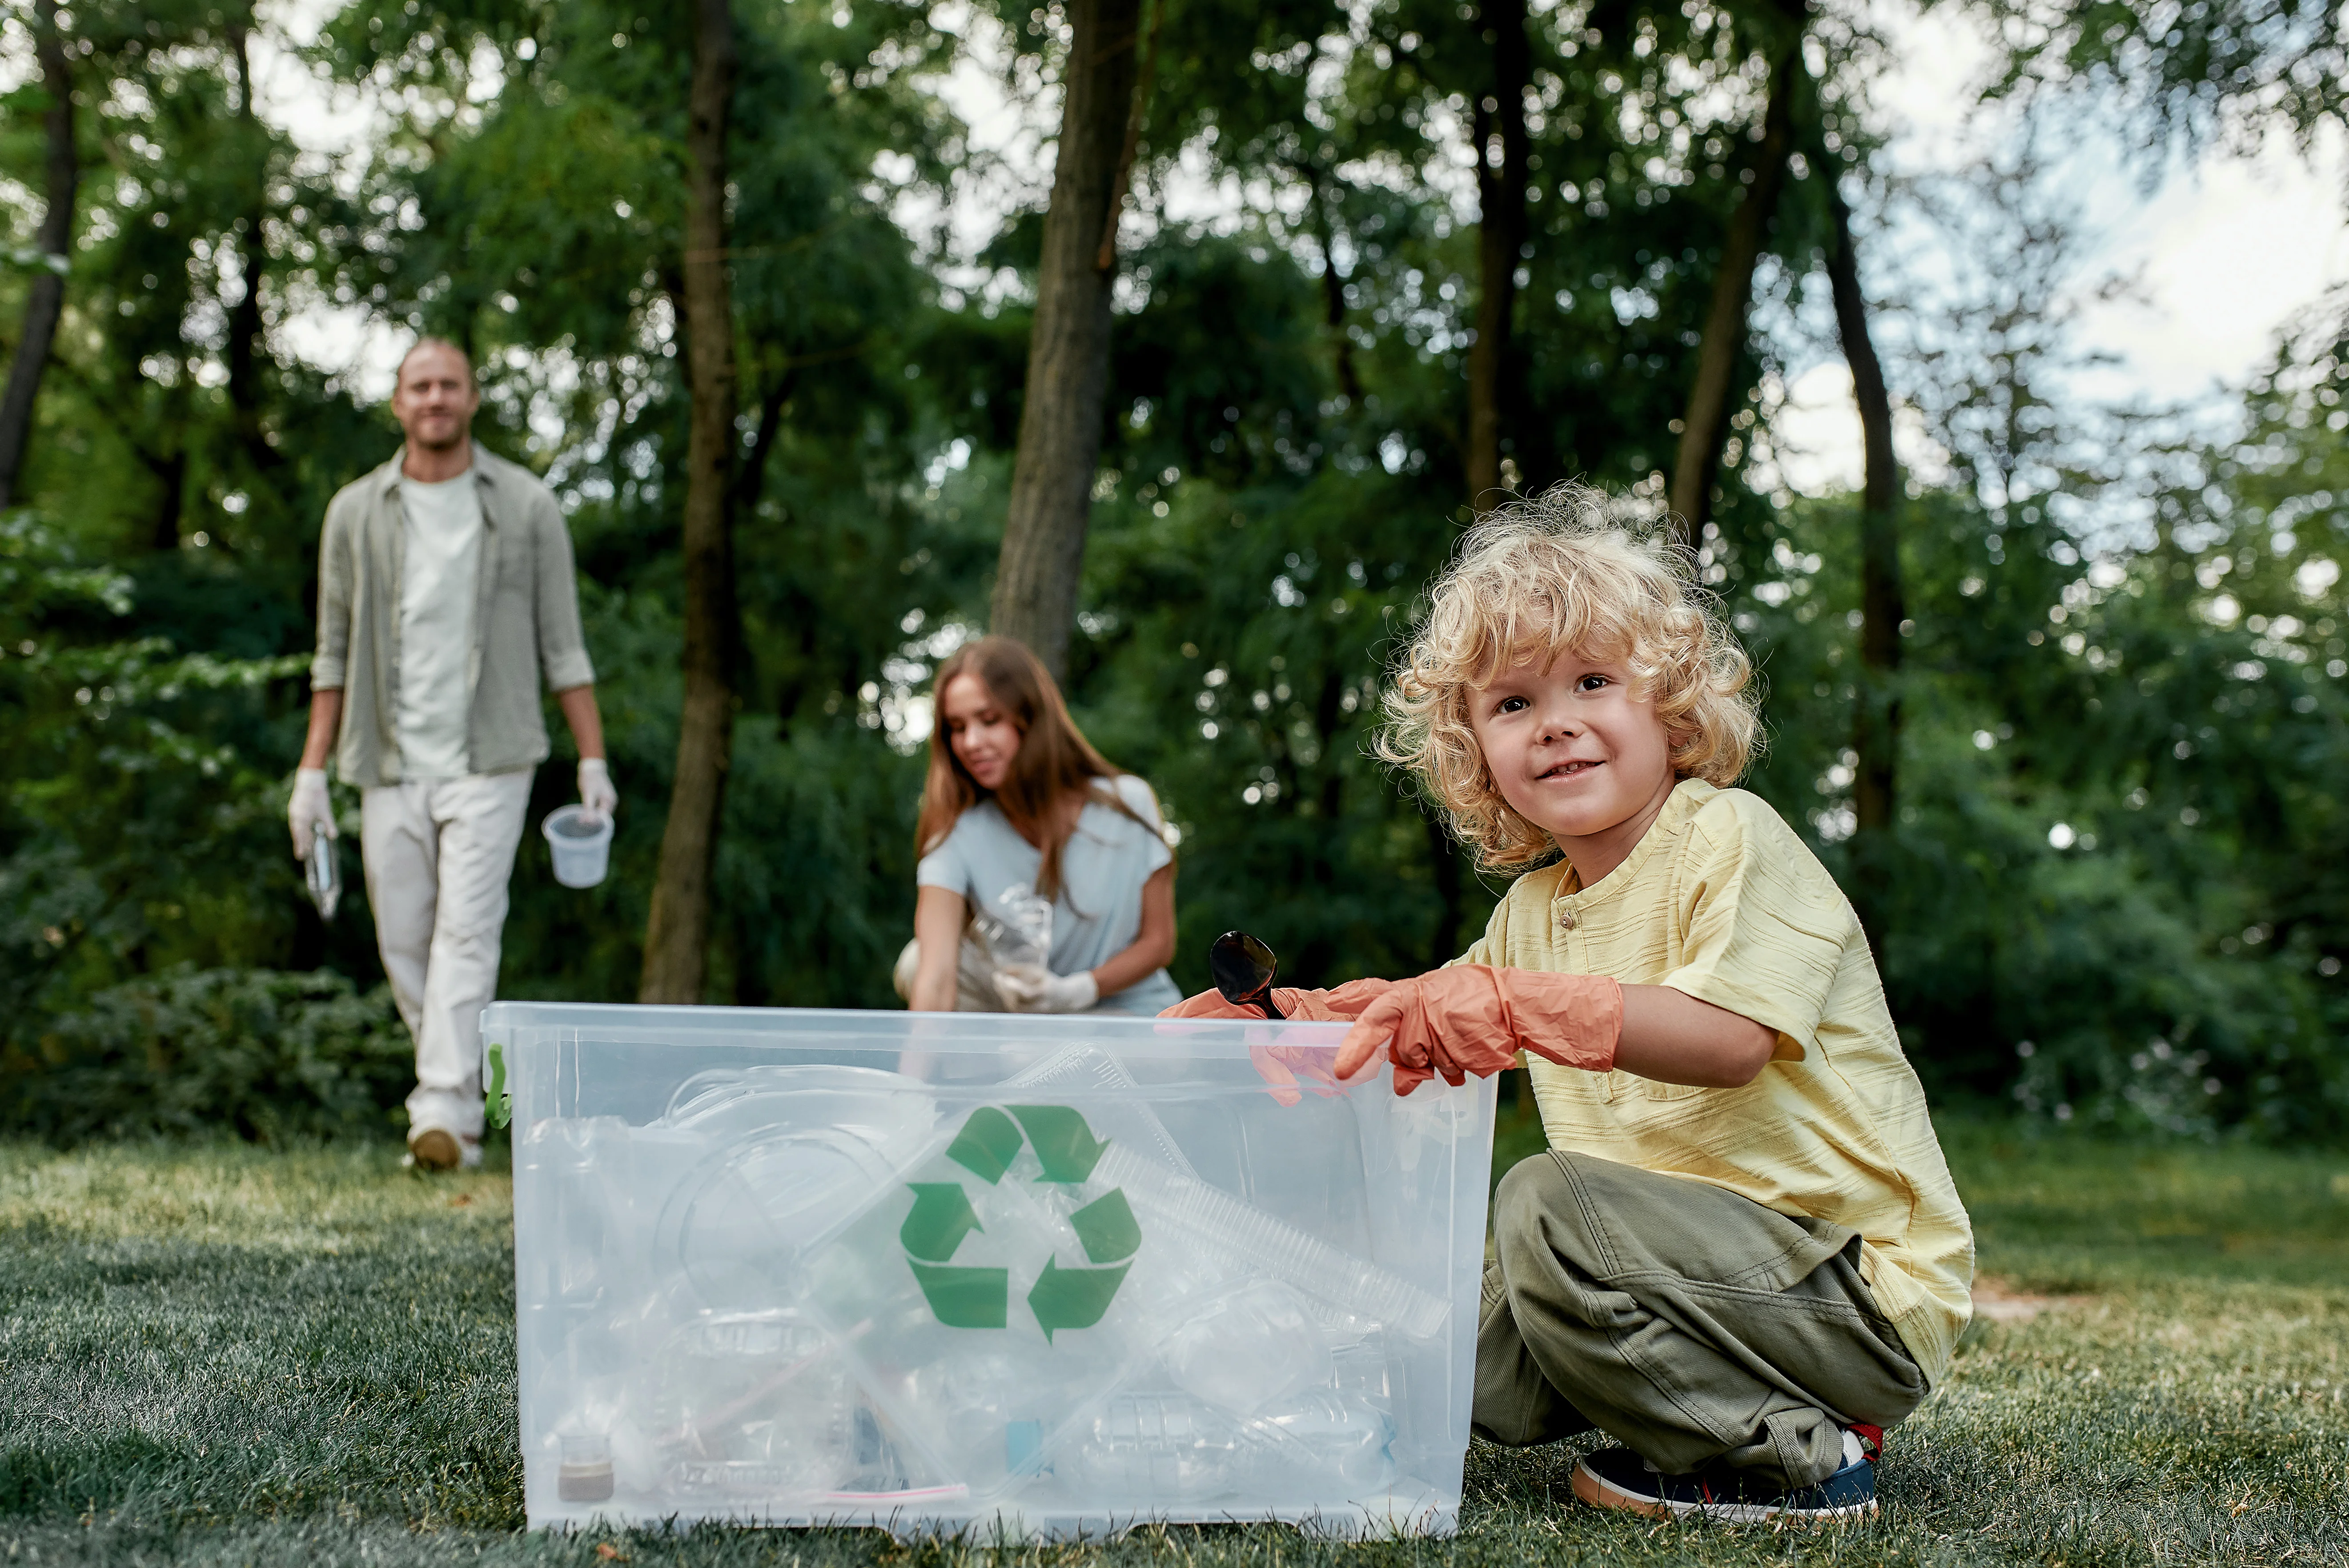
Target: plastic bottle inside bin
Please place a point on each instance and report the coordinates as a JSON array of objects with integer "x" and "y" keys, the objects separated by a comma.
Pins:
[
  {"x": 1248, "y": 1347},
  {"x": 1213, "y": 1223},
  {"x": 1347, "y": 1440},
  {"x": 985, "y": 1412},
  {"x": 1359, "y": 1367},
  {"x": 1170, "y": 1448},
  {"x": 580, "y": 1232},
  {"x": 1165, "y": 1447},
  {"x": 753, "y": 1403}
]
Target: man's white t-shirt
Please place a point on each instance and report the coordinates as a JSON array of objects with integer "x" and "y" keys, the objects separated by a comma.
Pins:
[{"x": 437, "y": 582}]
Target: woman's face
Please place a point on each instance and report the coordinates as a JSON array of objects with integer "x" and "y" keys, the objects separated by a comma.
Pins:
[{"x": 982, "y": 733}]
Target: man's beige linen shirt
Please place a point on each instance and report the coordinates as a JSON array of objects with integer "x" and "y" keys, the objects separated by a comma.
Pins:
[
  {"x": 1720, "y": 900},
  {"x": 525, "y": 620}
]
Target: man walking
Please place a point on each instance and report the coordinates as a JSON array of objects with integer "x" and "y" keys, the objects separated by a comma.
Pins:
[{"x": 445, "y": 594}]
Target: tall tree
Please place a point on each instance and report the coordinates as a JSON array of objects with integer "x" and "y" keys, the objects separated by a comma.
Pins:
[
  {"x": 46, "y": 300},
  {"x": 246, "y": 354},
  {"x": 1067, "y": 350},
  {"x": 1705, "y": 424},
  {"x": 676, "y": 933},
  {"x": 1875, "y": 724},
  {"x": 1498, "y": 124}
]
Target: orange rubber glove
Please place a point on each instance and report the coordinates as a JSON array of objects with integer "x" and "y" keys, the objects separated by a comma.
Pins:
[
  {"x": 1289, "y": 1071},
  {"x": 1471, "y": 1019},
  {"x": 1343, "y": 1005}
]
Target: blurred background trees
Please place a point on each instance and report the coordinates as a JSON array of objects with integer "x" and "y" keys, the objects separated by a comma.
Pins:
[{"x": 2065, "y": 709}]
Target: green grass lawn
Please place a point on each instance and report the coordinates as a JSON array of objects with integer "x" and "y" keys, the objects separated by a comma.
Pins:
[{"x": 227, "y": 1356}]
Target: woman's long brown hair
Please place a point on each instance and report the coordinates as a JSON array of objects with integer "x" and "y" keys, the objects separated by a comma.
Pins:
[{"x": 1054, "y": 759}]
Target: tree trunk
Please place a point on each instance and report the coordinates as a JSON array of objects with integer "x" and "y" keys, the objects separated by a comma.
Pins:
[
  {"x": 1706, "y": 427},
  {"x": 1500, "y": 239},
  {"x": 1876, "y": 723},
  {"x": 1068, "y": 349},
  {"x": 244, "y": 344},
  {"x": 751, "y": 483},
  {"x": 171, "y": 482},
  {"x": 676, "y": 934},
  {"x": 46, "y": 300},
  {"x": 1333, "y": 292}
]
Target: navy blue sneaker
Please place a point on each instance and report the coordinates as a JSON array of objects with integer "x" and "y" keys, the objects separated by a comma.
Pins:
[{"x": 1618, "y": 1478}]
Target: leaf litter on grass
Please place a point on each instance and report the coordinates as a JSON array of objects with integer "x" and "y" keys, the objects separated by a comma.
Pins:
[{"x": 225, "y": 1355}]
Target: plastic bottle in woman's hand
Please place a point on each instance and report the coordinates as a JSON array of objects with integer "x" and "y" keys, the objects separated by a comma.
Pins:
[{"x": 1017, "y": 929}]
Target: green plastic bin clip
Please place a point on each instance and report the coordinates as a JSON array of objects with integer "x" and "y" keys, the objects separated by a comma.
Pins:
[{"x": 500, "y": 1103}]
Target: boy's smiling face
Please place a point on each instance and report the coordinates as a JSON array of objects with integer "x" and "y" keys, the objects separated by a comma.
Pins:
[{"x": 1578, "y": 751}]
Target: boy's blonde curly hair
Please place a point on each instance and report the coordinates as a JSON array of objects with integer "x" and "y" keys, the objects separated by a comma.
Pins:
[{"x": 1565, "y": 568}]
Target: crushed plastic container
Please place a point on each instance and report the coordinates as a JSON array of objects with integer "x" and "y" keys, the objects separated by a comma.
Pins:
[
  {"x": 581, "y": 849},
  {"x": 1017, "y": 1275}
]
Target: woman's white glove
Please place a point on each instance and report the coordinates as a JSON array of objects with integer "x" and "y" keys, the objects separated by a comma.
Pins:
[
  {"x": 598, "y": 799},
  {"x": 310, "y": 809},
  {"x": 1033, "y": 988}
]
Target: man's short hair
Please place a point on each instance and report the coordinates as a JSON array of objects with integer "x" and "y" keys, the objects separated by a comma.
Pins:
[{"x": 429, "y": 341}]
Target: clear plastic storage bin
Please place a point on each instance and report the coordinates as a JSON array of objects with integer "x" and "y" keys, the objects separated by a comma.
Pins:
[{"x": 1033, "y": 1276}]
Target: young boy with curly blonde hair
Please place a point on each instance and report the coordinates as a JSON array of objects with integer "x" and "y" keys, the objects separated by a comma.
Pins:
[{"x": 1742, "y": 1256}]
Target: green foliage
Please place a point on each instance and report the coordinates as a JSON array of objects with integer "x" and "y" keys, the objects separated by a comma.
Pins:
[
  {"x": 262, "y": 1054},
  {"x": 2088, "y": 905},
  {"x": 139, "y": 827},
  {"x": 1281, "y": 472},
  {"x": 2219, "y": 69}
]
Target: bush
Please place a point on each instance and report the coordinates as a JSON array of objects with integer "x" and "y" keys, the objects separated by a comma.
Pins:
[{"x": 264, "y": 1053}]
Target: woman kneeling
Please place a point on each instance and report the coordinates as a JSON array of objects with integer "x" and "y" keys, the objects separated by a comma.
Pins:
[{"x": 1020, "y": 812}]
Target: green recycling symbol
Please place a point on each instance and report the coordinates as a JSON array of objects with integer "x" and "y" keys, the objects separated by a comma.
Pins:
[{"x": 966, "y": 1297}]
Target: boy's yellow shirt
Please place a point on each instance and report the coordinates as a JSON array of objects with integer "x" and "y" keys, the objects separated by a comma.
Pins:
[{"x": 1721, "y": 900}]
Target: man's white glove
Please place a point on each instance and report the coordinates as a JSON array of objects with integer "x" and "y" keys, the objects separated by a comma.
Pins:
[
  {"x": 1033, "y": 988},
  {"x": 598, "y": 799},
  {"x": 310, "y": 809}
]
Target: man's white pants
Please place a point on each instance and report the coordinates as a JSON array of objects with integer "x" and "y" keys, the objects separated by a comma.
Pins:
[{"x": 438, "y": 853}]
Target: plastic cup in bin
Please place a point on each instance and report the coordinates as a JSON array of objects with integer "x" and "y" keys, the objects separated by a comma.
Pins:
[
  {"x": 587, "y": 1472},
  {"x": 583, "y": 849},
  {"x": 984, "y": 1273}
]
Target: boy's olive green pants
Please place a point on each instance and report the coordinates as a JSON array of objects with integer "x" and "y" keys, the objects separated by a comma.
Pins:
[{"x": 1694, "y": 1326}]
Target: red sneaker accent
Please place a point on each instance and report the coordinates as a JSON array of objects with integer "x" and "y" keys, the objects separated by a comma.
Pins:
[{"x": 1871, "y": 1439}]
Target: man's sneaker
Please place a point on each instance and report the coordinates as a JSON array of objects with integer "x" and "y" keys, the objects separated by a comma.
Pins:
[
  {"x": 438, "y": 1148},
  {"x": 1618, "y": 1478}
]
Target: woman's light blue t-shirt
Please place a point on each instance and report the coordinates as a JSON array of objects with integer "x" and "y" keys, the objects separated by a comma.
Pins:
[{"x": 1097, "y": 912}]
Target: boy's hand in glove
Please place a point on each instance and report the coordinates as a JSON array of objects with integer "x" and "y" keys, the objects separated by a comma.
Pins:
[
  {"x": 310, "y": 809},
  {"x": 1342, "y": 1004},
  {"x": 598, "y": 799},
  {"x": 1289, "y": 1070},
  {"x": 1033, "y": 988},
  {"x": 1472, "y": 1018}
]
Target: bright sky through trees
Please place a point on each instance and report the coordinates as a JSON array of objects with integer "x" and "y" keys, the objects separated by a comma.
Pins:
[{"x": 2225, "y": 252}]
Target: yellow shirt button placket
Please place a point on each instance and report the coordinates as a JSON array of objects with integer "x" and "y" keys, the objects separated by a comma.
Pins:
[{"x": 1564, "y": 946}]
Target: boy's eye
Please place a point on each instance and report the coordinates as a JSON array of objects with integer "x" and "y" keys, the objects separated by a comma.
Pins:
[
  {"x": 1590, "y": 682},
  {"x": 1511, "y": 705}
]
